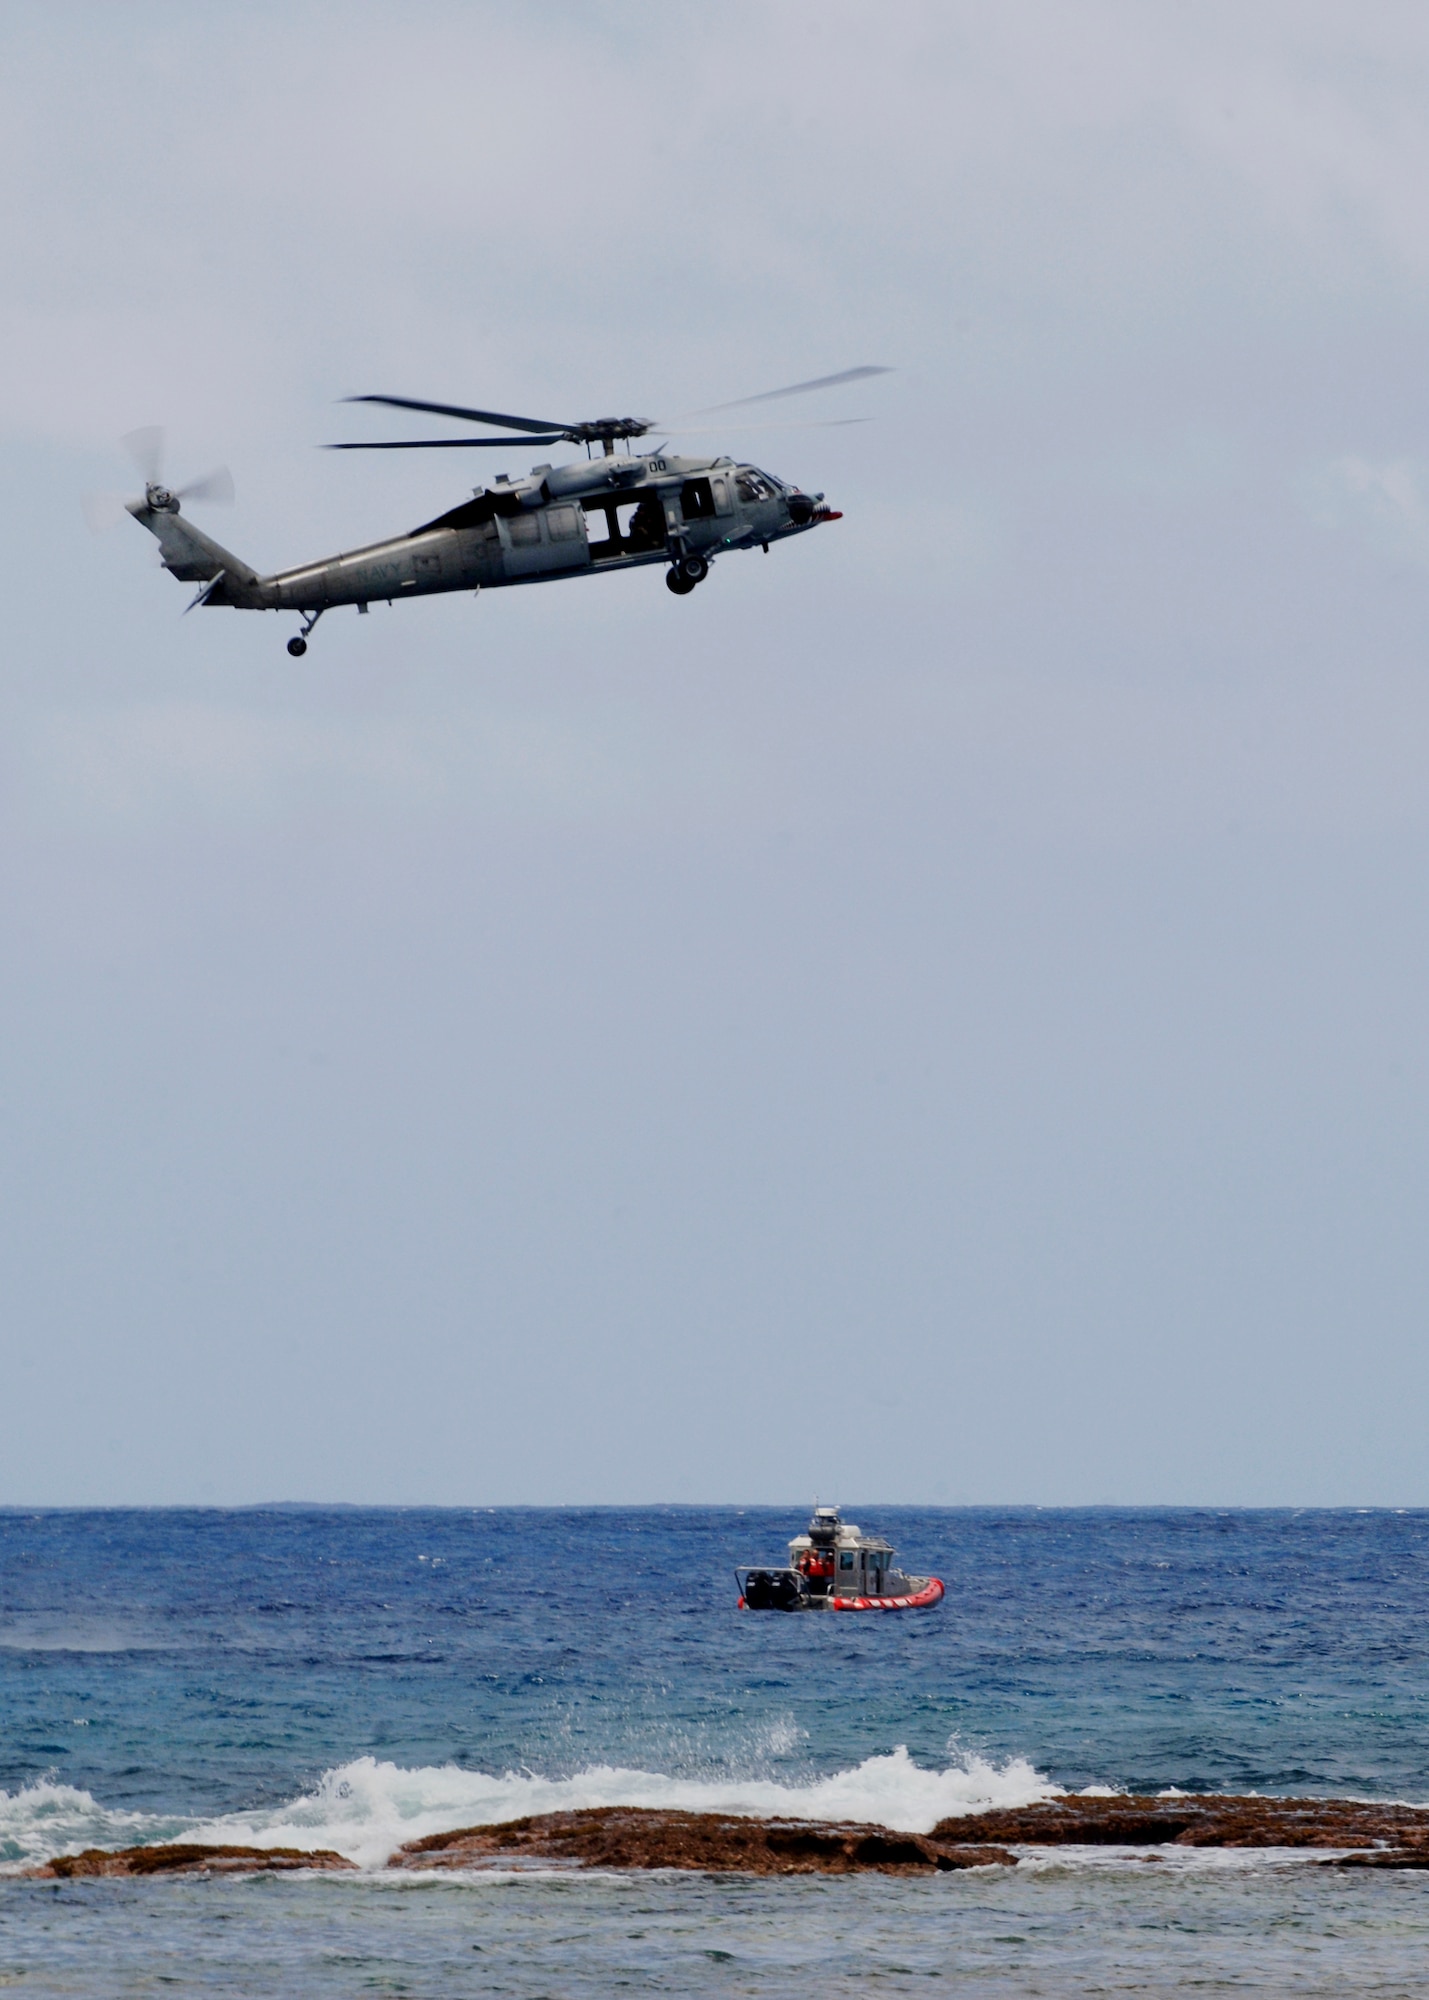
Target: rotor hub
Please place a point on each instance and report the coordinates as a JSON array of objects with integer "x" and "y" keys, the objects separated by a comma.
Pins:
[{"x": 605, "y": 430}]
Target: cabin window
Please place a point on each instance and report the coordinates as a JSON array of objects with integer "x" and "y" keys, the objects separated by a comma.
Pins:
[
  {"x": 720, "y": 489},
  {"x": 697, "y": 500},
  {"x": 846, "y": 1559},
  {"x": 525, "y": 529},
  {"x": 561, "y": 524}
]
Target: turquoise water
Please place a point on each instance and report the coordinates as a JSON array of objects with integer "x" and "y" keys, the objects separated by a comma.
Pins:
[{"x": 355, "y": 1678}]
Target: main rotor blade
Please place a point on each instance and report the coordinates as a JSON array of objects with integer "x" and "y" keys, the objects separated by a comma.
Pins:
[
  {"x": 448, "y": 444},
  {"x": 145, "y": 449},
  {"x": 794, "y": 389},
  {"x": 703, "y": 430},
  {"x": 216, "y": 486},
  {"x": 467, "y": 416}
]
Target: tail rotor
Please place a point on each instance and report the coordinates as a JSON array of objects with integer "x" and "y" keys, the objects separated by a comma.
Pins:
[{"x": 145, "y": 449}]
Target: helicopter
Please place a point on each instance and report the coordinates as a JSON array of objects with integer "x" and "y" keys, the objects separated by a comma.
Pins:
[{"x": 615, "y": 509}]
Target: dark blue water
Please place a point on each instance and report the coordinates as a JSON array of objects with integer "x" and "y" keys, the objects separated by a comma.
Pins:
[
  {"x": 359, "y": 1677},
  {"x": 226, "y": 1659}
]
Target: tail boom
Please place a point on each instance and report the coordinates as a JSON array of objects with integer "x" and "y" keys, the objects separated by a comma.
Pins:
[{"x": 193, "y": 557}]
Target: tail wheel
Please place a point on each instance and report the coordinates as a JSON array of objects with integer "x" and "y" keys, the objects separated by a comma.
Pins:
[{"x": 297, "y": 647}]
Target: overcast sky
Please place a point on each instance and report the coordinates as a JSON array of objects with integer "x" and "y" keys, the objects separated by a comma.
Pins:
[{"x": 937, "y": 1015}]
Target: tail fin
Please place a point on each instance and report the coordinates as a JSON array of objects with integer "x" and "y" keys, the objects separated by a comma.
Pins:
[{"x": 189, "y": 554}]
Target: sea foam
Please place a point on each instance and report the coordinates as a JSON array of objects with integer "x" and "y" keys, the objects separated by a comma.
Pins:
[{"x": 367, "y": 1809}]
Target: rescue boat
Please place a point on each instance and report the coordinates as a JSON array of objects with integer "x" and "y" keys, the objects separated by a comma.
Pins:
[{"x": 835, "y": 1566}]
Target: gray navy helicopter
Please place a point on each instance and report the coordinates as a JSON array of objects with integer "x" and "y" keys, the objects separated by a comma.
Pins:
[{"x": 618, "y": 509}]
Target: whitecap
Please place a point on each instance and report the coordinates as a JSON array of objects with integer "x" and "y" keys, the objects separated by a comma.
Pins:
[{"x": 367, "y": 1808}]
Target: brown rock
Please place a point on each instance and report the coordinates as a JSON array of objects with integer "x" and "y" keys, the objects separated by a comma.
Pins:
[
  {"x": 1378, "y": 1836},
  {"x": 638, "y": 1837},
  {"x": 1204, "y": 1820},
  {"x": 1382, "y": 1857},
  {"x": 186, "y": 1858}
]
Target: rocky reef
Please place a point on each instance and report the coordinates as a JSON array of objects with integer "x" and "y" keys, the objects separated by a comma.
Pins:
[
  {"x": 1393, "y": 1836},
  {"x": 1367, "y": 1835},
  {"x": 639, "y": 1837},
  {"x": 1363, "y": 1835},
  {"x": 185, "y": 1858}
]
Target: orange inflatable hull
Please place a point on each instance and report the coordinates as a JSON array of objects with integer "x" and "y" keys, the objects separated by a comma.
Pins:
[{"x": 931, "y": 1592}]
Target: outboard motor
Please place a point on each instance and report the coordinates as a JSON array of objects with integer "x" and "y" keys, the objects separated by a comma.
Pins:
[{"x": 774, "y": 1590}]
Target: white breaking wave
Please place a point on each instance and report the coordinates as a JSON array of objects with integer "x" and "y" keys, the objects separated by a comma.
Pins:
[
  {"x": 45, "y": 1819},
  {"x": 367, "y": 1809}
]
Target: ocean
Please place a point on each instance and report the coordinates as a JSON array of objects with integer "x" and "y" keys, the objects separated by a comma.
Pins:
[{"x": 357, "y": 1678}]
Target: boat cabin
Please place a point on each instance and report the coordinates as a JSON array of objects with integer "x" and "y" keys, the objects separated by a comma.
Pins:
[{"x": 837, "y": 1559}]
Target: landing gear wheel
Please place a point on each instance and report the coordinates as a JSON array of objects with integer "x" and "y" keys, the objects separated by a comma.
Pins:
[
  {"x": 297, "y": 647},
  {"x": 681, "y": 585},
  {"x": 694, "y": 568}
]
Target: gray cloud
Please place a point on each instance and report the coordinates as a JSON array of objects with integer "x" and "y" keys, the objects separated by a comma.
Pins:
[{"x": 935, "y": 1015}]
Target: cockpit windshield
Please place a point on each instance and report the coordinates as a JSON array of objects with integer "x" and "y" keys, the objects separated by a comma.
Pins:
[{"x": 753, "y": 485}]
